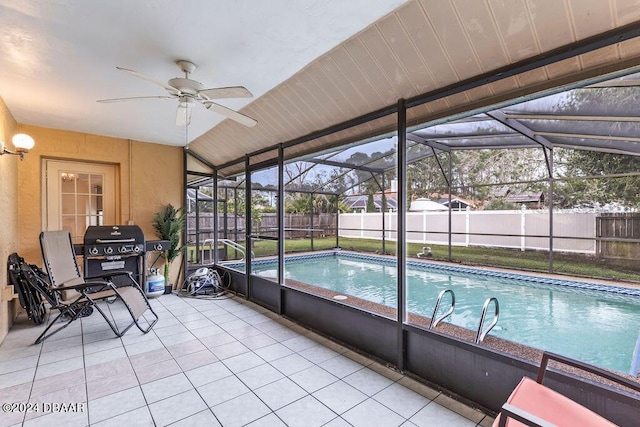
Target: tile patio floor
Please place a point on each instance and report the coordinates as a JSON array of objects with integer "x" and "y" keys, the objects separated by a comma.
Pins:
[{"x": 208, "y": 363}]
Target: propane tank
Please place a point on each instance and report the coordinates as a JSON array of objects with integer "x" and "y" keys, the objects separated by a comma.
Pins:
[{"x": 155, "y": 283}]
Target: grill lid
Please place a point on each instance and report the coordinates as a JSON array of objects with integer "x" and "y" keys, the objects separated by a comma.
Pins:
[{"x": 98, "y": 234}]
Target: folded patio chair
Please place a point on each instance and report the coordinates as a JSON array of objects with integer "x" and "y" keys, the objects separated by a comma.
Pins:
[
  {"x": 533, "y": 404},
  {"x": 76, "y": 296},
  {"x": 26, "y": 280}
]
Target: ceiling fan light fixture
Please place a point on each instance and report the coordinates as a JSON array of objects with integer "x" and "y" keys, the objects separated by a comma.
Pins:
[
  {"x": 186, "y": 101},
  {"x": 183, "y": 115}
]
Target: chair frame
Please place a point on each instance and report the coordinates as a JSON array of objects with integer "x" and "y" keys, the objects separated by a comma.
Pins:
[
  {"x": 94, "y": 289},
  {"x": 512, "y": 411}
]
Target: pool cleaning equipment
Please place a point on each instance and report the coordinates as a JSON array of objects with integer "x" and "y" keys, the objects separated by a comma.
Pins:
[
  {"x": 203, "y": 282},
  {"x": 426, "y": 253}
]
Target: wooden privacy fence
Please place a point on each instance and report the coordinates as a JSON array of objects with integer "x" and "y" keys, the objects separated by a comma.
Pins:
[
  {"x": 205, "y": 226},
  {"x": 296, "y": 226},
  {"x": 618, "y": 236}
]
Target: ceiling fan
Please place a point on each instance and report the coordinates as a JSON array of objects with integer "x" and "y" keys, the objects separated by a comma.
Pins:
[{"x": 188, "y": 92}]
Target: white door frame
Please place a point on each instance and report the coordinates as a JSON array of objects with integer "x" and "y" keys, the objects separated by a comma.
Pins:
[{"x": 52, "y": 191}]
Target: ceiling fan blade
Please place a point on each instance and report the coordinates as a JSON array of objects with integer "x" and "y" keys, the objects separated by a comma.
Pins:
[
  {"x": 171, "y": 89},
  {"x": 183, "y": 115},
  {"x": 134, "y": 98},
  {"x": 226, "y": 92},
  {"x": 232, "y": 114}
]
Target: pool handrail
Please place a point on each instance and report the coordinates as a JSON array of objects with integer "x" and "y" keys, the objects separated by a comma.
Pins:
[
  {"x": 434, "y": 322},
  {"x": 480, "y": 334},
  {"x": 635, "y": 359},
  {"x": 234, "y": 245}
]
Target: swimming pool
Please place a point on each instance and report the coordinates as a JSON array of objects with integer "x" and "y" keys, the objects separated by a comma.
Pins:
[{"x": 598, "y": 324}]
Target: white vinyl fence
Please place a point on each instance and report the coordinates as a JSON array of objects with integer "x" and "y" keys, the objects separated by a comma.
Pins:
[{"x": 523, "y": 229}]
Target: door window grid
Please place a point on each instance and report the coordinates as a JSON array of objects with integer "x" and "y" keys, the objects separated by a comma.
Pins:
[{"x": 81, "y": 202}]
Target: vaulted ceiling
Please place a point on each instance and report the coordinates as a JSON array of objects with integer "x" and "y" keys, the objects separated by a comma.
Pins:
[{"x": 421, "y": 48}]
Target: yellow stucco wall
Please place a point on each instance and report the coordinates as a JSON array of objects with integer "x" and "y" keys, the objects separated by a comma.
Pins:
[
  {"x": 150, "y": 175},
  {"x": 8, "y": 212}
]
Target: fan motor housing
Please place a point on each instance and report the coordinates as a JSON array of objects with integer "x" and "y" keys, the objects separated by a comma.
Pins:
[{"x": 187, "y": 86}]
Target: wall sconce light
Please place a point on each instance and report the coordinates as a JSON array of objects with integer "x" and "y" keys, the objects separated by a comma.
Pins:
[{"x": 22, "y": 142}]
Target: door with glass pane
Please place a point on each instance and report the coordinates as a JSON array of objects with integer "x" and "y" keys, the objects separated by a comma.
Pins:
[{"x": 78, "y": 195}]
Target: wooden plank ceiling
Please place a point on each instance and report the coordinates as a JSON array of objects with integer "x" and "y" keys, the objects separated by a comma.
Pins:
[{"x": 422, "y": 46}]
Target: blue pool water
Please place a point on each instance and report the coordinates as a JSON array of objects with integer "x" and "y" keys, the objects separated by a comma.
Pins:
[{"x": 595, "y": 323}]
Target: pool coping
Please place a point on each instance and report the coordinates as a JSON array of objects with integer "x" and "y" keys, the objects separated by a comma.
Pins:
[{"x": 481, "y": 271}]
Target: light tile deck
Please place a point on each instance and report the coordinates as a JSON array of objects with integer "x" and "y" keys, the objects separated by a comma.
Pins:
[{"x": 210, "y": 362}]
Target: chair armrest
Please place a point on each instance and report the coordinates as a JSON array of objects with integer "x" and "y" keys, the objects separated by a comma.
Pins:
[
  {"x": 82, "y": 286},
  {"x": 107, "y": 275},
  {"x": 510, "y": 411},
  {"x": 585, "y": 367}
]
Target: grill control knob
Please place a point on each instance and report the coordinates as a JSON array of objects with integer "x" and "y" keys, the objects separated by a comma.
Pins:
[
  {"x": 108, "y": 250},
  {"x": 136, "y": 249},
  {"x": 93, "y": 251},
  {"x": 158, "y": 246},
  {"x": 123, "y": 249}
]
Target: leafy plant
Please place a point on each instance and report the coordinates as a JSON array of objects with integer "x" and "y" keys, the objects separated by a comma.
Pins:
[
  {"x": 371, "y": 206},
  {"x": 500, "y": 204},
  {"x": 168, "y": 223}
]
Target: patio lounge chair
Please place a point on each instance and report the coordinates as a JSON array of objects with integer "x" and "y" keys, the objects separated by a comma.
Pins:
[
  {"x": 76, "y": 296},
  {"x": 533, "y": 404}
]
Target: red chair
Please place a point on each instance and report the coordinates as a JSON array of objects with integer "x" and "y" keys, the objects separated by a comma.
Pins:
[{"x": 533, "y": 404}]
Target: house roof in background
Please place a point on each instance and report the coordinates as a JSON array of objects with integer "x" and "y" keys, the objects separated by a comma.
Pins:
[
  {"x": 526, "y": 197},
  {"x": 360, "y": 202}
]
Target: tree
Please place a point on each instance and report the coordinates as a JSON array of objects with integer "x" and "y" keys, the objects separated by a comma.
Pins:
[
  {"x": 574, "y": 164},
  {"x": 298, "y": 174},
  {"x": 368, "y": 181},
  {"x": 371, "y": 206},
  {"x": 424, "y": 177},
  {"x": 297, "y": 203},
  {"x": 471, "y": 171},
  {"x": 301, "y": 203},
  {"x": 623, "y": 190},
  {"x": 338, "y": 205},
  {"x": 500, "y": 204}
]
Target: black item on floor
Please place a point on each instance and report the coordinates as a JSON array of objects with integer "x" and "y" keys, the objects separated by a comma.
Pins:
[{"x": 28, "y": 281}]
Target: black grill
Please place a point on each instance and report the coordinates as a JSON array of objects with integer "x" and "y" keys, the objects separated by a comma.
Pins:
[
  {"x": 125, "y": 240},
  {"x": 114, "y": 248}
]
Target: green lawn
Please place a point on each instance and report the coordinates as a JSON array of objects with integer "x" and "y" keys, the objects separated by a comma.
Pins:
[{"x": 571, "y": 264}]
